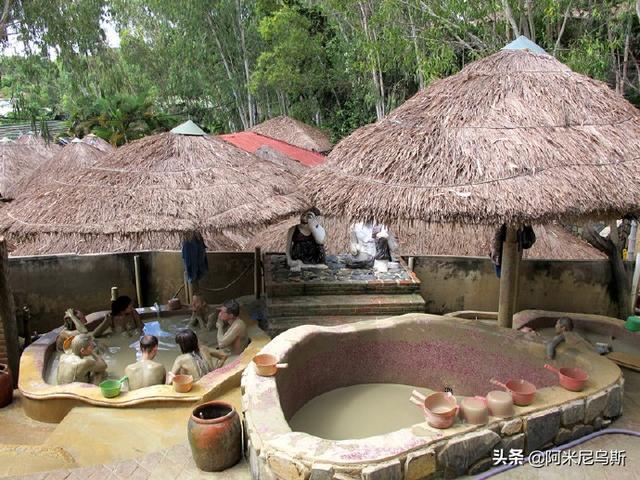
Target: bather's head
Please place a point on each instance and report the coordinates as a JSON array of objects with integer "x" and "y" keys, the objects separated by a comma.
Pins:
[
  {"x": 312, "y": 212},
  {"x": 229, "y": 311},
  {"x": 121, "y": 305},
  {"x": 564, "y": 324},
  {"x": 82, "y": 345},
  {"x": 187, "y": 340},
  {"x": 149, "y": 346},
  {"x": 198, "y": 303}
]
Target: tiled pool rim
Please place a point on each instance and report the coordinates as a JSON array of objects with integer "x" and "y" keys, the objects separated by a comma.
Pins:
[
  {"x": 51, "y": 403},
  {"x": 556, "y": 417}
]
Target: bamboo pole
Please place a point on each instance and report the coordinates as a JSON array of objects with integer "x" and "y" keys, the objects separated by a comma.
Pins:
[
  {"x": 257, "y": 272},
  {"x": 136, "y": 271},
  {"x": 8, "y": 327},
  {"x": 185, "y": 277},
  {"x": 508, "y": 279}
]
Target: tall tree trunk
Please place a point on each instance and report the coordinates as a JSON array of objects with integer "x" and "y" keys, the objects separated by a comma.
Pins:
[
  {"x": 245, "y": 60},
  {"x": 532, "y": 28},
  {"x": 227, "y": 67},
  {"x": 561, "y": 32},
  {"x": 416, "y": 49},
  {"x": 509, "y": 15},
  {"x": 612, "y": 246},
  {"x": 376, "y": 75}
]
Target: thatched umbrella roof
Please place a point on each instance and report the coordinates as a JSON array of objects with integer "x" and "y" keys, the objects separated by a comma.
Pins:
[
  {"x": 16, "y": 162},
  {"x": 147, "y": 193},
  {"x": 98, "y": 143},
  {"x": 514, "y": 137},
  {"x": 294, "y": 132},
  {"x": 45, "y": 149},
  {"x": 75, "y": 155},
  {"x": 553, "y": 242}
]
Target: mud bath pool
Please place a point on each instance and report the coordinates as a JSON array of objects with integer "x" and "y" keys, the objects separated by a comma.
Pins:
[
  {"x": 122, "y": 349},
  {"x": 432, "y": 353},
  {"x": 357, "y": 411},
  {"x": 50, "y": 403}
]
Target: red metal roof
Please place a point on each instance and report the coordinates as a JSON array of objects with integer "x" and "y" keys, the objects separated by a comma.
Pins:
[{"x": 250, "y": 142}]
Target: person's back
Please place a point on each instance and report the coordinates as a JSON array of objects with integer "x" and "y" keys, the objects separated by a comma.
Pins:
[
  {"x": 81, "y": 365},
  {"x": 146, "y": 372}
]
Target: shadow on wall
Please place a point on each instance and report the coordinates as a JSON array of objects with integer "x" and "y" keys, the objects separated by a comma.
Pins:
[
  {"x": 51, "y": 284},
  {"x": 469, "y": 283}
]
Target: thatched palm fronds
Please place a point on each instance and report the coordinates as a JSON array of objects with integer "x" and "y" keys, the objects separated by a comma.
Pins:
[
  {"x": 157, "y": 187},
  {"x": 553, "y": 242},
  {"x": 70, "y": 158},
  {"x": 98, "y": 143},
  {"x": 17, "y": 161},
  {"x": 294, "y": 132},
  {"x": 514, "y": 137}
]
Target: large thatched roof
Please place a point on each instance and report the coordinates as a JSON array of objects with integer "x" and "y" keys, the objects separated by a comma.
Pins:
[
  {"x": 516, "y": 136},
  {"x": 146, "y": 194},
  {"x": 552, "y": 241},
  {"x": 17, "y": 161},
  {"x": 294, "y": 132}
]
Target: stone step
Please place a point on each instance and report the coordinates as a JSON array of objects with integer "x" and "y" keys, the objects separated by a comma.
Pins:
[
  {"x": 332, "y": 305},
  {"x": 290, "y": 289},
  {"x": 278, "y": 325}
]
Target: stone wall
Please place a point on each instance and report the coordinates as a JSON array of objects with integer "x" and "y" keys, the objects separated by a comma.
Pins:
[
  {"x": 469, "y": 283},
  {"x": 49, "y": 285}
]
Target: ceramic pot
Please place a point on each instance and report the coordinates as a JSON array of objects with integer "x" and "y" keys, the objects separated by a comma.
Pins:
[
  {"x": 475, "y": 410},
  {"x": 6, "y": 385},
  {"x": 215, "y": 436}
]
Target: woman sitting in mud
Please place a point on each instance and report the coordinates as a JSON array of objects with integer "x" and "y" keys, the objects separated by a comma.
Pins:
[
  {"x": 196, "y": 360},
  {"x": 123, "y": 318},
  {"x": 73, "y": 324}
]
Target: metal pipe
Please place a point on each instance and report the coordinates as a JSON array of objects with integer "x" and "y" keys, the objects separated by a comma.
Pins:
[
  {"x": 114, "y": 293},
  {"x": 136, "y": 271},
  {"x": 186, "y": 288}
]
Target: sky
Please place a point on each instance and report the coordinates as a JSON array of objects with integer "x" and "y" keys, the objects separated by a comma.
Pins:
[{"x": 15, "y": 46}]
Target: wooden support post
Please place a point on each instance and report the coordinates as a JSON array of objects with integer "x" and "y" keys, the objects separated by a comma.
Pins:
[
  {"x": 9, "y": 350},
  {"x": 257, "y": 272},
  {"x": 136, "y": 270},
  {"x": 508, "y": 278},
  {"x": 186, "y": 288}
]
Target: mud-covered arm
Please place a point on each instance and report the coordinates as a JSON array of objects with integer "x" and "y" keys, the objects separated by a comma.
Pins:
[
  {"x": 106, "y": 323},
  {"x": 80, "y": 327},
  {"x": 226, "y": 339},
  {"x": 553, "y": 344}
]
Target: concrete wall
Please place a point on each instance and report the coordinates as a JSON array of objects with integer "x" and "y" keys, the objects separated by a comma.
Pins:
[
  {"x": 51, "y": 284},
  {"x": 469, "y": 283}
]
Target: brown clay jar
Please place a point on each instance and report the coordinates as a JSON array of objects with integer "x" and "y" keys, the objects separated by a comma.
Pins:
[
  {"x": 215, "y": 436},
  {"x": 6, "y": 385}
]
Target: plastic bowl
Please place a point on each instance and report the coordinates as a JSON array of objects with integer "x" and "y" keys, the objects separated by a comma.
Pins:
[{"x": 182, "y": 383}]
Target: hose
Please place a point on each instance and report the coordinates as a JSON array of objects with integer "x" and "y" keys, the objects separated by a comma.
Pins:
[{"x": 608, "y": 431}]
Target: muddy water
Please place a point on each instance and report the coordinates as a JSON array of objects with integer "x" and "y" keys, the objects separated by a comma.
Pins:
[
  {"x": 358, "y": 411},
  {"x": 122, "y": 350},
  {"x": 618, "y": 344}
]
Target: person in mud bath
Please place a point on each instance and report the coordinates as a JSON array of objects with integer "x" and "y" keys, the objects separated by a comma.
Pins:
[
  {"x": 73, "y": 324},
  {"x": 232, "y": 331},
  {"x": 200, "y": 316},
  {"x": 196, "y": 360},
  {"x": 122, "y": 318},
  {"x": 305, "y": 242},
  {"x": 146, "y": 372},
  {"x": 565, "y": 333},
  {"x": 82, "y": 364}
]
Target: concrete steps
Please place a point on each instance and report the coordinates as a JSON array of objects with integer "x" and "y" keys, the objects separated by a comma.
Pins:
[
  {"x": 308, "y": 305},
  {"x": 337, "y": 295}
]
